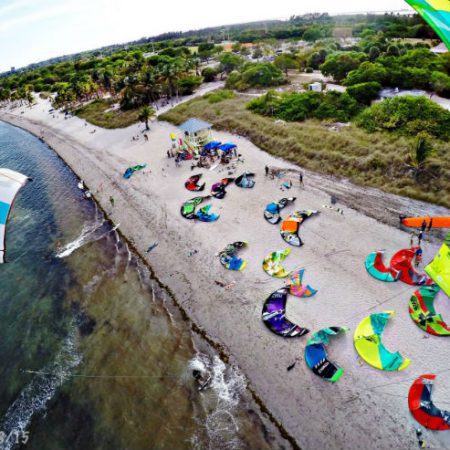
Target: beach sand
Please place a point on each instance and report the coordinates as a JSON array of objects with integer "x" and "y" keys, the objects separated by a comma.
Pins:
[{"x": 367, "y": 408}]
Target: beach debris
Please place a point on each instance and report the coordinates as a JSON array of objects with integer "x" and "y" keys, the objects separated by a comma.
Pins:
[
  {"x": 192, "y": 183},
  {"x": 188, "y": 210},
  {"x": 274, "y": 315},
  {"x": 230, "y": 285},
  {"x": 294, "y": 282},
  {"x": 192, "y": 253},
  {"x": 87, "y": 194},
  {"x": 369, "y": 345},
  {"x": 422, "y": 407},
  {"x": 151, "y": 247},
  {"x": 218, "y": 189},
  {"x": 272, "y": 211},
  {"x": 420, "y": 441},
  {"x": 316, "y": 356},
  {"x": 338, "y": 210},
  {"x": 290, "y": 227},
  {"x": 422, "y": 312},
  {"x": 203, "y": 379},
  {"x": 81, "y": 185},
  {"x": 131, "y": 170},
  {"x": 10, "y": 184},
  {"x": 286, "y": 185},
  {"x": 439, "y": 268},
  {"x": 272, "y": 263},
  {"x": 245, "y": 180},
  {"x": 291, "y": 366},
  {"x": 228, "y": 257},
  {"x": 219, "y": 283}
]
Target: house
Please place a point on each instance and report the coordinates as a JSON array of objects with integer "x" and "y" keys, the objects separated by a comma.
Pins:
[{"x": 196, "y": 133}]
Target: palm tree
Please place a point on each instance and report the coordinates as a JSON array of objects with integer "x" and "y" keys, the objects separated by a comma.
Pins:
[
  {"x": 419, "y": 154},
  {"x": 144, "y": 116}
]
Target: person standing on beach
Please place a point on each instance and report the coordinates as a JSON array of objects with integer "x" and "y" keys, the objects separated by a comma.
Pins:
[
  {"x": 300, "y": 179},
  {"x": 266, "y": 170},
  {"x": 411, "y": 240},
  {"x": 111, "y": 199},
  {"x": 418, "y": 257},
  {"x": 420, "y": 237}
]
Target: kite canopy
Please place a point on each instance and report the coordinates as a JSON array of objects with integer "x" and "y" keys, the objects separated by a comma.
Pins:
[
  {"x": 422, "y": 407},
  {"x": 272, "y": 263},
  {"x": 204, "y": 215},
  {"x": 290, "y": 227},
  {"x": 294, "y": 281},
  {"x": 439, "y": 268},
  {"x": 376, "y": 268},
  {"x": 272, "y": 211},
  {"x": 421, "y": 309},
  {"x": 274, "y": 315},
  {"x": 130, "y": 171},
  {"x": 316, "y": 356},
  {"x": 228, "y": 257},
  {"x": 218, "y": 189},
  {"x": 192, "y": 183},
  {"x": 429, "y": 222},
  {"x": 370, "y": 347},
  {"x": 437, "y": 14},
  {"x": 10, "y": 184},
  {"x": 402, "y": 262},
  {"x": 188, "y": 207},
  {"x": 245, "y": 180}
]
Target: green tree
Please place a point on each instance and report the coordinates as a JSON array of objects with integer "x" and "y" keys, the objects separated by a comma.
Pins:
[
  {"x": 285, "y": 62},
  {"x": 229, "y": 62},
  {"x": 365, "y": 92},
  {"x": 420, "y": 154},
  {"x": 339, "y": 64},
  {"x": 145, "y": 115}
]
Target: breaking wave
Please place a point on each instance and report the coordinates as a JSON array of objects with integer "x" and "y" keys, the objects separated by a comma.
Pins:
[{"x": 37, "y": 393}]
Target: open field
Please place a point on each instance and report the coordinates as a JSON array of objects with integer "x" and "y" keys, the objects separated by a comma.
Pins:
[{"x": 375, "y": 160}]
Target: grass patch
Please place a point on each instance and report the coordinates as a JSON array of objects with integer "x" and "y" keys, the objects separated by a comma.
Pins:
[
  {"x": 99, "y": 113},
  {"x": 376, "y": 159}
]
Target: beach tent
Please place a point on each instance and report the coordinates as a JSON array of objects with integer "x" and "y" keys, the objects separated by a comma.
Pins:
[
  {"x": 212, "y": 145},
  {"x": 274, "y": 315},
  {"x": 131, "y": 170},
  {"x": 376, "y": 268},
  {"x": 402, "y": 261},
  {"x": 422, "y": 407},
  {"x": 421, "y": 310},
  {"x": 272, "y": 211},
  {"x": 218, "y": 189},
  {"x": 192, "y": 183},
  {"x": 227, "y": 147},
  {"x": 272, "y": 263},
  {"x": 369, "y": 345},
  {"x": 228, "y": 256},
  {"x": 437, "y": 14},
  {"x": 439, "y": 268},
  {"x": 10, "y": 184},
  {"x": 316, "y": 356},
  {"x": 294, "y": 281}
]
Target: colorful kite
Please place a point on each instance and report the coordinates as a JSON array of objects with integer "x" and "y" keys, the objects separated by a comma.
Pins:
[
  {"x": 203, "y": 215},
  {"x": 294, "y": 281},
  {"x": 10, "y": 184},
  {"x": 427, "y": 222},
  {"x": 192, "y": 183},
  {"x": 274, "y": 315},
  {"x": 370, "y": 347},
  {"x": 402, "y": 262},
  {"x": 218, "y": 189},
  {"x": 228, "y": 257},
  {"x": 130, "y": 171},
  {"x": 272, "y": 263},
  {"x": 422, "y": 407},
  {"x": 421, "y": 309},
  {"x": 272, "y": 211},
  {"x": 316, "y": 356},
  {"x": 376, "y": 268},
  {"x": 245, "y": 180},
  {"x": 290, "y": 227},
  {"x": 439, "y": 268},
  {"x": 437, "y": 14}
]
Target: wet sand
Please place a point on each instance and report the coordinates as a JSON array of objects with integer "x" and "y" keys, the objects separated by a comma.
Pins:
[{"x": 367, "y": 408}]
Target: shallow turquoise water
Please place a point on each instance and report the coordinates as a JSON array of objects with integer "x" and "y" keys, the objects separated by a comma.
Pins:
[{"x": 93, "y": 353}]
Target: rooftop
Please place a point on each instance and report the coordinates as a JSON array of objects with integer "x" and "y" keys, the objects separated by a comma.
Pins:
[{"x": 194, "y": 125}]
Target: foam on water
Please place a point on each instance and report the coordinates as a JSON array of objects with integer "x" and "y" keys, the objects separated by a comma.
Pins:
[{"x": 38, "y": 392}]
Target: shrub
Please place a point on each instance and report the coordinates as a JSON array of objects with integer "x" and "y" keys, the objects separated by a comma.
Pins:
[
  {"x": 218, "y": 96},
  {"x": 209, "y": 74},
  {"x": 365, "y": 92},
  {"x": 187, "y": 86}
]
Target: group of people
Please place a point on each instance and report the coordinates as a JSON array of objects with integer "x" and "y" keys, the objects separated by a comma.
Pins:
[
  {"x": 271, "y": 173},
  {"x": 419, "y": 250}
]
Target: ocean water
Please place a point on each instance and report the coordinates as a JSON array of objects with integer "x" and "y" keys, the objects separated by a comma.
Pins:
[{"x": 93, "y": 353}]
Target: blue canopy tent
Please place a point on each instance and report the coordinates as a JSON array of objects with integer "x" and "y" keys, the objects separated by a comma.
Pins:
[
  {"x": 227, "y": 147},
  {"x": 212, "y": 145}
]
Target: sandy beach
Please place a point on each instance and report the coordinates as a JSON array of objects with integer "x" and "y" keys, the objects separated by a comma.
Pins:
[{"x": 367, "y": 408}]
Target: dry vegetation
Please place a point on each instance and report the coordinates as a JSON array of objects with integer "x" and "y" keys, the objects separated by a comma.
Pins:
[{"x": 377, "y": 159}]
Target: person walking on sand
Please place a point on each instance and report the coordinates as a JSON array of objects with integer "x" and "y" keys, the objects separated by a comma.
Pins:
[
  {"x": 300, "y": 179},
  {"x": 411, "y": 240},
  {"x": 146, "y": 138},
  {"x": 266, "y": 170},
  {"x": 111, "y": 199},
  {"x": 418, "y": 257},
  {"x": 420, "y": 237}
]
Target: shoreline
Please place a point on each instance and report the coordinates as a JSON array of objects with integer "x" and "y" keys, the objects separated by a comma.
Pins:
[{"x": 149, "y": 205}]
